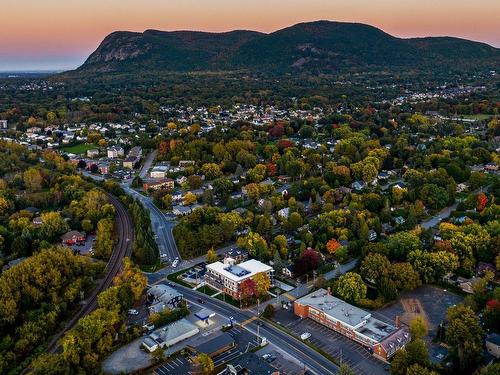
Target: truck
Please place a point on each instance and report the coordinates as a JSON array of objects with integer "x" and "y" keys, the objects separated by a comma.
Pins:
[{"x": 305, "y": 336}]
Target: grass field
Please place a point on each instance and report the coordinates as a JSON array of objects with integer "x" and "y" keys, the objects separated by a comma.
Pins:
[{"x": 79, "y": 149}]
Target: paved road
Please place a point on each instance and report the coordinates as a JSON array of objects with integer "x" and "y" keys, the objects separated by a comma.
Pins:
[
  {"x": 147, "y": 164},
  {"x": 162, "y": 226},
  {"x": 123, "y": 248},
  {"x": 312, "y": 360},
  {"x": 435, "y": 220}
]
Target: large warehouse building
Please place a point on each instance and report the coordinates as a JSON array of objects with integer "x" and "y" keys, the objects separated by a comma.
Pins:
[{"x": 359, "y": 325}]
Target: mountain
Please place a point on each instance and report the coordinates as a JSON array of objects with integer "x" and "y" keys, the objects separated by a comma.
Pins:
[{"x": 312, "y": 46}]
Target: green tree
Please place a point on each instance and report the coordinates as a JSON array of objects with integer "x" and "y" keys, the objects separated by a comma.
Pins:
[
  {"x": 211, "y": 171},
  {"x": 465, "y": 336},
  {"x": 158, "y": 356},
  {"x": 415, "y": 353},
  {"x": 32, "y": 179},
  {"x": 212, "y": 256},
  {"x": 418, "y": 328},
  {"x": 404, "y": 276},
  {"x": 402, "y": 243},
  {"x": 104, "y": 241},
  {"x": 350, "y": 287},
  {"x": 204, "y": 363},
  {"x": 344, "y": 369},
  {"x": 374, "y": 267},
  {"x": 53, "y": 225}
]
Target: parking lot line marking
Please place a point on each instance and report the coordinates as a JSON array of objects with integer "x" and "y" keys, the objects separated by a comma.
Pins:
[{"x": 177, "y": 359}]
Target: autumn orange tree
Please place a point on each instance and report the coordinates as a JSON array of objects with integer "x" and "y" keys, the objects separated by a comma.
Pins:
[
  {"x": 332, "y": 246},
  {"x": 482, "y": 201}
]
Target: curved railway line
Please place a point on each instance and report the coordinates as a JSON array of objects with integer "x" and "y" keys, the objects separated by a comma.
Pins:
[{"x": 123, "y": 248}]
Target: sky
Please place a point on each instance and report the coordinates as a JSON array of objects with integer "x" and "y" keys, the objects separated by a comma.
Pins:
[{"x": 60, "y": 34}]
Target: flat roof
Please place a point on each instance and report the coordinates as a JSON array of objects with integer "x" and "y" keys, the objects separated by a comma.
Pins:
[
  {"x": 214, "y": 345},
  {"x": 352, "y": 316},
  {"x": 241, "y": 271}
]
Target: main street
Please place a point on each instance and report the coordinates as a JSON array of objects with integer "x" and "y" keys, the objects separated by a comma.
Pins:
[{"x": 311, "y": 359}]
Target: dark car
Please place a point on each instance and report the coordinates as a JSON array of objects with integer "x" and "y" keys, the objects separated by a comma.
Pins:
[{"x": 200, "y": 300}]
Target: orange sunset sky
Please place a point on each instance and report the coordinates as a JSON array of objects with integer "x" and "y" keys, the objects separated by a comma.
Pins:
[{"x": 55, "y": 34}]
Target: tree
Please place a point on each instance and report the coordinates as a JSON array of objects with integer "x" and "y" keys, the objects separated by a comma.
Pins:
[
  {"x": 268, "y": 311},
  {"x": 212, "y": 256},
  {"x": 51, "y": 364},
  {"x": 255, "y": 244},
  {"x": 415, "y": 352},
  {"x": 211, "y": 171},
  {"x": 53, "y": 225},
  {"x": 404, "y": 276},
  {"x": 482, "y": 201},
  {"x": 332, "y": 246},
  {"x": 104, "y": 239},
  {"x": 308, "y": 261},
  {"x": 258, "y": 173},
  {"x": 350, "y": 287},
  {"x": 465, "y": 336},
  {"x": 402, "y": 243},
  {"x": 262, "y": 283},
  {"x": 434, "y": 196},
  {"x": 493, "y": 369},
  {"x": 188, "y": 199},
  {"x": 204, "y": 363},
  {"x": 374, "y": 267},
  {"x": 345, "y": 370},
  {"x": 295, "y": 221},
  {"x": 166, "y": 201},
  {"x": 248, "y": 288},
  {"x": 418, "y": 328},
  {"x": 158, "y": 356},
  {"x": 433, "y": 266},
  {"x": 32, "y": 179},
  {"x": 417, "y": 369}
]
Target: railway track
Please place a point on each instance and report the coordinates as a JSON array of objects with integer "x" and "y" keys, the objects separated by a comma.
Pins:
[{"x": 123, "y": 248}]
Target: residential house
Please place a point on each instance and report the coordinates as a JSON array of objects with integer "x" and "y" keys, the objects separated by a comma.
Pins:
[
  {"x": 239, "y": 255},
  {"x": 73, "y": 237},
  {"x": 93, "y": 153},
  {"x": 115, "y": 152}
]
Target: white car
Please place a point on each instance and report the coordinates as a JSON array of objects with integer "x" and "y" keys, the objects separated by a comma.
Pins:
[{"x": 133, "y": 312}]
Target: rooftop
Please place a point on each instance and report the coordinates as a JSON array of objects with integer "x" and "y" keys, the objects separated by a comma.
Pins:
[
  {"x": 352, "y": 316},
  {"x": 241, "y": 271}
]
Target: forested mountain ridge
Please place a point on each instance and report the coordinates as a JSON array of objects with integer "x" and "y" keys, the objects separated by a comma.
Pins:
[{"x": 311, "y": 47}]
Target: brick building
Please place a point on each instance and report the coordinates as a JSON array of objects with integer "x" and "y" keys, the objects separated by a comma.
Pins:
[{"x": 381, "y": 338}]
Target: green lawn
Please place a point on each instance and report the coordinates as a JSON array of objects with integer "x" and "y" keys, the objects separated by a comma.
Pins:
[
  {"x": 79, "y": 149},
  {"x": 207, "y": 290}
]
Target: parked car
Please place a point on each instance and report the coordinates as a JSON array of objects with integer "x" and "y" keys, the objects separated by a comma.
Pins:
[
  {"x": 149, "y": 327},
  {"x": 133, "y": 312},
  {"x": 305, "y": 335}
]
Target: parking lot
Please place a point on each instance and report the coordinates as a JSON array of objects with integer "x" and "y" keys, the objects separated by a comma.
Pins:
[
  {"x": 334, "y": 344},
  {"x": 430, "y": 302},
  {"x": 175, "y": 366}
]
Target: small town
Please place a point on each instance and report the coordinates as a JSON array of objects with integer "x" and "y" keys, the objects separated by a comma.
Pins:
[{"x": 273, "y": 188}]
